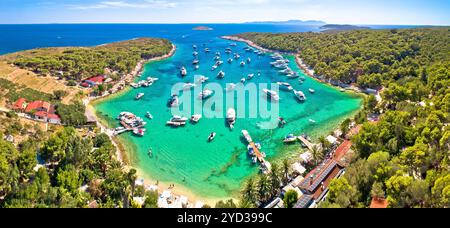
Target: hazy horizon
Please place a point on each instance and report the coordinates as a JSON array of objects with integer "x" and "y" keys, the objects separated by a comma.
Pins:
[{"x": 382, "y": 12}]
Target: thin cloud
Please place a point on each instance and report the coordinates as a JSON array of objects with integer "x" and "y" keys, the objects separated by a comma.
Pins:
[{"x": 157, "y": 4}]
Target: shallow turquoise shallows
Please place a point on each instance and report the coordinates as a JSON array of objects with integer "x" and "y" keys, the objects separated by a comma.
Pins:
[{"x": 217, "y": 169}]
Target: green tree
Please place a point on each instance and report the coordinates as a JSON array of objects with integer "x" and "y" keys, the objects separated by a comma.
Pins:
[{"x": 290, "y": 198}]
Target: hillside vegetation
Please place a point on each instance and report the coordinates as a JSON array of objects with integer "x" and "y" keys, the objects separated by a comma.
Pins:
[
  {"x": 371, "y": 58},
  {"x": 76, "y": 63},
  {"x": 405, "y": 156}
]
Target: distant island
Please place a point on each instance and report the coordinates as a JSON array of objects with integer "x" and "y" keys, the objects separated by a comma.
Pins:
[
  {"x": 291, "y": 22},
  {"x": 202, "y": 28},
  {"x": 336, "y": 27}
]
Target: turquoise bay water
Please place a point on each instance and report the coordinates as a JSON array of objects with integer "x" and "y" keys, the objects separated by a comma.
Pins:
[{"x": 216, "y": 170}]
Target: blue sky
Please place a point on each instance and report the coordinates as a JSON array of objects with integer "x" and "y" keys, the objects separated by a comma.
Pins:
[{"x": 398, "y": 12}]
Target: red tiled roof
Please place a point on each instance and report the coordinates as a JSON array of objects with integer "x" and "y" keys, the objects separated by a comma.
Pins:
[
  {"x": 53, "y": 117},
  {"x": 96, "y": 79},
  {"x": 342, "y": 150},
  {"x": 37, "y": 105},
  {"x": 84, "y": 84},
  {"x": 379, "y": 203},
  {"x": 19, "y": 103},
  {"x": 41, "y": 114}
]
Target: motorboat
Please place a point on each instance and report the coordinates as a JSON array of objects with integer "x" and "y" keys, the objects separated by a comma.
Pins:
[
  {"x": 230, "y": 60},
  {"x": 272, "y": 94},
  {"x": 292, "y": 76},
  {"x": 311, "y": 90},
  {"x": 285, "y": 86},
  {"x": 195, "y": 118},
  {"x": 213, "y": 68},
  {"x": 233, "y": 44},
  {"x": 231, "y": 117},
  {"x": 237, "y": 56},
  {"x": 277, "y": 56},
  {"x": 230, "y": 87},
  {"x": 194, "y": 47},
  {"x": 195, "y": 61},
  {"x": 197, "y": 67},
  {"x": 205, "y": 94},
  {"x": 242, "y": 64},
  {"x": 250, "y": 76},
  {"x": 149, "y": 115},
  {"x": 183, "y": 71},
  {"x": 290, "y": 138},
  {"x": 139, "y": 131},
  {"x": 249, "y": 60},
  {"x": 281, "y": 122},
  {"x": 207, "y": 50},
  {"x": 218, "y": 63},
  {"x": 242, "y": 80},
  {"x": 139, "y": 96},
  {"x": 312, "y": 121},
  {"x": 218, "y": 53},
  {"x": 202, "y": 79},
  {"x": 217, "y": 58},
  {"x": 211, "y": 136},
  {"x": 175, "y": 124},
  {"x": 178, "y": 119},
  {"x": 300, "y": 95},
  {"x": 188, "y": 86},
  {"x": 195, "y": 53},
  {"x": 173, "y": 101},
  {"x": 221, "y": 74}
]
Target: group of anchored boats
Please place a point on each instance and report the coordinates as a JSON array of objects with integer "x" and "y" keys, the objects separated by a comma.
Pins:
[{"x": 135, "y": 124}]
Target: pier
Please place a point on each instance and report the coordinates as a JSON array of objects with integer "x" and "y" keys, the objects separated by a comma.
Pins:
[
  {"x": 306, "y": 142},
  {"x": 259, "y": 156}
]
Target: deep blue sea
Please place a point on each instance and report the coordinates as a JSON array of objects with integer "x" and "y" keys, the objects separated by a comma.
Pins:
[{"x": 22, "y": 37}]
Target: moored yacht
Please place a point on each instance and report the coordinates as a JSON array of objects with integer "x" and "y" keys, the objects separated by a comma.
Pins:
[
  {"x": 139, "y": 96},
  {"x": 205, "y": 94},
  {"x": 194, "y": 53},
  {"x": 173, "y": 101},
  {"x": 183, "y": 71},
  {"x": 213, "y": 68},
  {"x": 290, "y": 138},
  {"x": 230, "y": 60},
  {"x": 311, "y": 90},
  {"x": 178, "y": 119},
  {"x": 195, "y": 118},
  {"x": 300, "y": 95},
  {"x": 195, "y": 61},
  {"x": 188, "y": 86},
  {"x": 207, "y": 50},
  {"x": 211, "y": 136},
  {"x": 250, "y": 76},
  {"x": 242, "y": 80},
  {"x": 272, "y": 94},
  {"x": 237, "y": 56},
  {"x": 202, "y": 79},
  {"x": 139, "y": 132},
  {"x": 221, "y": 74},
  {"x": 231, "y": 117},
  {"x": 285, "y": 86}
]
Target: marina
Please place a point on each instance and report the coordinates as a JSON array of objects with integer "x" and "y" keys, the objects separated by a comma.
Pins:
[{"x": 193, "y": 130}]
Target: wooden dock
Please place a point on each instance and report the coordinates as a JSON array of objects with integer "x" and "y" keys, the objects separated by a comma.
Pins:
[
  {"x": 255, "y": 149},
  {"x": 258, "y": 154},
  {"x": 306, "y": 142}
]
